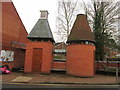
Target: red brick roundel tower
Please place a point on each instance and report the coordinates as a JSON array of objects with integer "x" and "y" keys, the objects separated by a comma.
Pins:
[
  {"x": 39, "y": 50},
  {"x": 80, "y": 49}
]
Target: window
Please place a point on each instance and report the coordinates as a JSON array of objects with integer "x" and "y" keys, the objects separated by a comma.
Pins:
[
  {"x": 3, "y": 55},
  {"x": 9, "y": 55},
  {"x": 6, "y": 55},
  {"x": 86, "y": 42}
]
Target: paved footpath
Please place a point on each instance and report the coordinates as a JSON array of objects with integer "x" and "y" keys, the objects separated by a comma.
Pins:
[{"x": 56, "y": 78}]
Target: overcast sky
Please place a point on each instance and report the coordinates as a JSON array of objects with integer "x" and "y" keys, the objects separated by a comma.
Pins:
[{"x": 29, "y": 12}]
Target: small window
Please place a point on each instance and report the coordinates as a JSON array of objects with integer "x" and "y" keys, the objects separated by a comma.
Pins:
[
  {"x": 9, "y": 55},
  {"x": 86, "y": 42},
  {"x": 6, "y": 55},
  {"x": 3, "y": 55}
]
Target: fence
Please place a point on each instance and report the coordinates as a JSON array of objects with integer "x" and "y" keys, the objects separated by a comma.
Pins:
[{"x": 99, "y": 64}]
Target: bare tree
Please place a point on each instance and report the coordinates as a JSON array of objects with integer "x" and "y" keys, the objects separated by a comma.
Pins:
[
  {"x": 102, "y": 18},
  {"x": 65, "y": 18},
  {"x": 117, "y": 34}
]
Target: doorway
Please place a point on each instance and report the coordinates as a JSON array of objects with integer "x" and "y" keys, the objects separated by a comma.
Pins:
[{"x": 37, "y": 59}]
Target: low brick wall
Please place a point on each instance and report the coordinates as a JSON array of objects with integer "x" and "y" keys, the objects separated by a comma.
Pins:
[
  {"x": 10, "y": 64},
  {"x": 58, "y": 65}
]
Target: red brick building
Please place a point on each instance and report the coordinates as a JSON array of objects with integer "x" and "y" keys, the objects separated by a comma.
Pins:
[
  {"x": 13, "y": 34},
  {"x": 80, "y": 49},
  {"x": 39, "y": 51},
  {"x": 35, "y": 54}
]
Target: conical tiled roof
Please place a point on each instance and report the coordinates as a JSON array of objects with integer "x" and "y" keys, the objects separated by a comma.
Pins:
[
  {"x": 41, "y": 30},
  {"x": 81, "y": 30}
]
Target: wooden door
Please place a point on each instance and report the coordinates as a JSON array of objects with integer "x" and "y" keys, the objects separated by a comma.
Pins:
[{"x": 37, "y": 60}]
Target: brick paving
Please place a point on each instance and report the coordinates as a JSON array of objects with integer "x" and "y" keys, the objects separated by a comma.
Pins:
[{"x": 59, "y": 78}]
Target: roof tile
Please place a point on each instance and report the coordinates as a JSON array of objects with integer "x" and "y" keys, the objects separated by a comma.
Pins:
[
  {"x": 81, "y": 30},
  {"x": 41, "y": 30}
]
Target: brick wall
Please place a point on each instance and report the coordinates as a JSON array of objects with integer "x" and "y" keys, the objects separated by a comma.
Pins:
[
  {"x": 13, "y": 30},
  {"x": 46, "y": 56},
  {"x": 58, "y": 65},
  {"x": 80, "y": 60},
  {"x": 19, "y": 57},
  {"x": 12, "y": 26},
  {"x": 0, "y": 23}
]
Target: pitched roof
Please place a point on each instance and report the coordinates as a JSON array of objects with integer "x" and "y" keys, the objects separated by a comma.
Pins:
[
  {"x": 11, "y": 24},
  {"x": 41, "y": 30},
  {"x": 81, "y": 30}
]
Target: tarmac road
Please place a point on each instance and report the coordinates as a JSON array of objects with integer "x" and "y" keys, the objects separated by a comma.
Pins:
[{"x": 27, "y": 85}]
